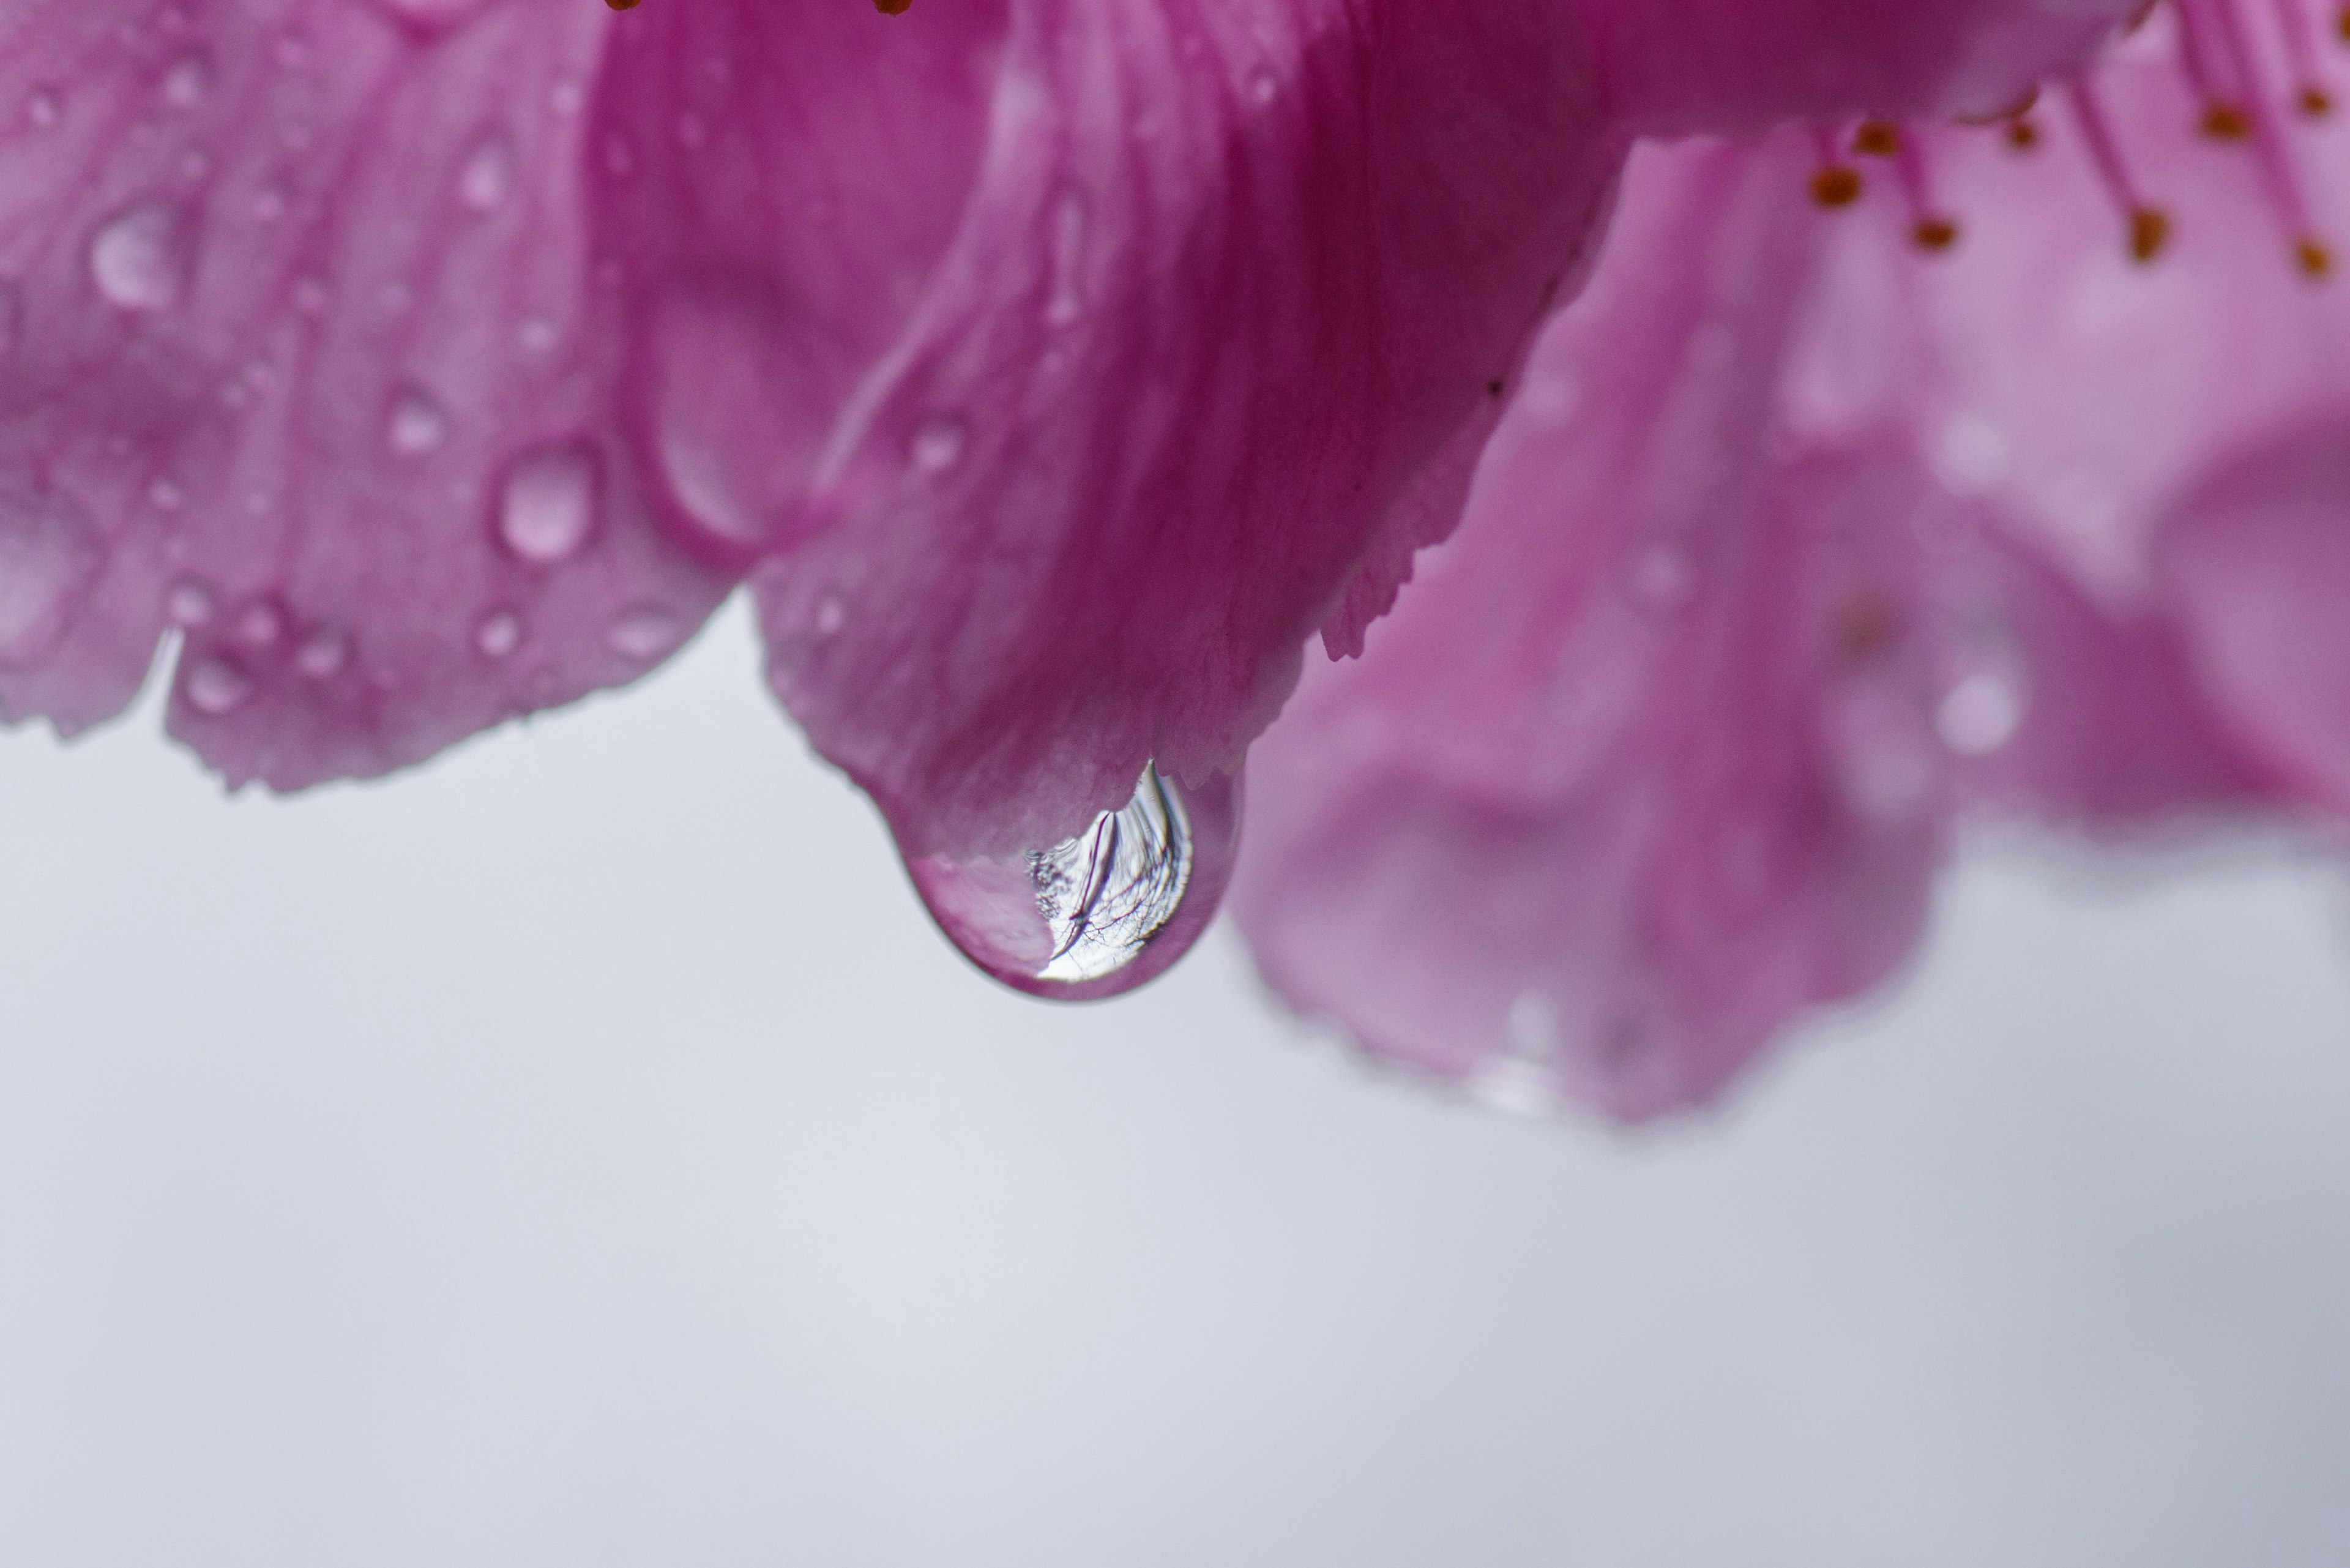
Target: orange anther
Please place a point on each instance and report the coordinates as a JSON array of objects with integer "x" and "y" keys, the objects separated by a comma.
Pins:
[
  {"x": 891, "y": 7},
  {"x": 2316, "y": 260},
  {"x": 1837, "y": 185},
  {"x": 2023, "y": 135},
  {"x": 2225, "y": 122},
  {"x": 1877, "y": 139},
  {"x": 2150, "y": 231},
  {"x": 1935, "y": 233}
]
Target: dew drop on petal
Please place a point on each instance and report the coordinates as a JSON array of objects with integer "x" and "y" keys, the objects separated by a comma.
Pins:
[
  {"x": 188, "y": 603},
  {"x": 43, "y": 109},
  {"x": 831, "y": 615},
  {"x": 139, "y": 259},
  {"x": 414, "y": 424},
  {"x": 546, "y": 511},
  {"x": 259, "y": 625},
  {"x": 1101, "y": 913},
  {"x": 487, "y": 175},
  {"x": 187, "y": 82},
  {"x": 324, "y": 652},
  {"x": 1980, "y": 714},
  {"x": 498, "y": 635},
  {"x": 939, "y": 443},
  {"x": 644, "y": 634},
  {"x": 217, "y": 688},
  {"x": 48, "y": 557}
]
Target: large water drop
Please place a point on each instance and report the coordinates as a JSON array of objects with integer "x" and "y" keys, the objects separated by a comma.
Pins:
[
  {"x": 139, "y": 259},
  {"x": 1101, "y": 913}
]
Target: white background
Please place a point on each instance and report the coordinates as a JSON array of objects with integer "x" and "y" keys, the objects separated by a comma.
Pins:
[{"x": 583, "y": 1152}]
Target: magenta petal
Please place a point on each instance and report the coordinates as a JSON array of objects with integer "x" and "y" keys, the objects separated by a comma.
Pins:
[
  {"x": 1221, "y": 297},
  {"x": 1645, "y": 763},
  {"x": 1737, "y": 66},
  {"x": 2256, "y": 565},
  {"x": 312, "y": 365}
]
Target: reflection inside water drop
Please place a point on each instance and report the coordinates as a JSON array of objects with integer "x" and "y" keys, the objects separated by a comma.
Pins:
[{"x": 1101, "y": 913}]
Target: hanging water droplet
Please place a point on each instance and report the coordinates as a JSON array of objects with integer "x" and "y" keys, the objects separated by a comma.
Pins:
[
  {"x": 188, "y": 603},
  {"x": 644, "y": 634},
  {"x": 548, "y": 509},
  {"x": 324, "y": 652},
  {"x": 939, "y": 442},
  {"x": 488, "y": 172},
  {"x": 141, "y": 257},
  {"x": 217, "y": 688},
  {"x": 414, "y": 424},
  {"x": 48, "y": 558},
  {"x": 1100, "y": 913},
  {"x": 498, "y": 635}
]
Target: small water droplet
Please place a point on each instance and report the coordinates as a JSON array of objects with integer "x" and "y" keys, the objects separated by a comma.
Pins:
[
  {"x": 324, "y": 652},
  {"x": 43, "y": 109},
  {"x": 1067, "y": 300},
  {"x": 48, "y": 557},
  {"x": 498, "y": 635},
  {"x": 141, "y": 257},
  {"x": 187, "y": 82},
  {"x": 188, "y": 603},
  {"x": 547, "y": 510},
  {"x": 164, "y": 495},
  {"x": 644, "y": 633},
  {"x": 217, "y": 688},
  {"x": 1514, "y": 1086},
  {"x": 1974, "y": 458},
  {"x": 691, "y": 130},
  {"x": 1662, "y": 578},
  {"x": 260, "y": 624},
  {"x": 566, "y": 99},
  {"x": 1980, "y": 714},
  {"x": 268, "y": 204},
  {"x": 311, "y": 295},
  {"x": 1100, "y": 913},
  {"x": 487, "y": 174},
  {"x": 1263, "y": 86},
  {"x": 831, "y": 615},
  {"x": 414, "y": 424},
  {"x": 939, "y": 443}
]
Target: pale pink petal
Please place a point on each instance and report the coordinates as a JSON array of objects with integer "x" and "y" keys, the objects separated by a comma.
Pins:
[
  {"x": 2256, "y": 564},
  {"x": 313, "y": 361},
  {"x": 1230, "y": 289},
  {"x": 1732, "y": 66},
  {"x": 1645, "y": 763}
]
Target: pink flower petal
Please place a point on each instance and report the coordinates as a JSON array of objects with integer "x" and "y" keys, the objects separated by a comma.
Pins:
[
  {"x": 1645, "y": 763},
  {"x": 2257, "y": 566},
  {"x": 1664, "y": 750},
  {"x": 312, "y": 363},
  {"x": 1228, "y": 292},
  {"x": 1733, "y": 66}
]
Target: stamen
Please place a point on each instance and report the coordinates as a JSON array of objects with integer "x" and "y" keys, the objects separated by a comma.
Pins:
[
  {"x": 1877, "y": 139},
  {"x": 2271, "y": 153},
  {"x": 2021, "y": 134},
  {"x": 1835, "y": 183},
  {"x": 621, "y": 5},
  {"x": 2301, "y": 52},
  {"x": 2149, "y": 226},
  {"x": 2224, "y": 120},
  {"x": 1929, "y": 228},
  {"x": 891, "y": 7}
]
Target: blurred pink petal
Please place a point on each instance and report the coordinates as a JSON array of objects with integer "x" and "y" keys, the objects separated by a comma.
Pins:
[{"x": 1667, "y": 745}]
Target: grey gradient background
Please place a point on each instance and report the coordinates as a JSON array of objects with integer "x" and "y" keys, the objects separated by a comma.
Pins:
[{"x": 583, "y": 1153}]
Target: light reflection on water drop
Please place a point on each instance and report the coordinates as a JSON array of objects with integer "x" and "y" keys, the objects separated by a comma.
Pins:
[{"x": 1101, "y": 913}]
